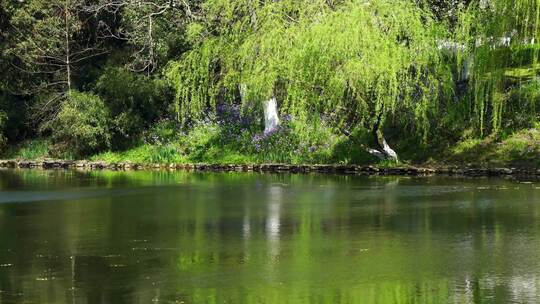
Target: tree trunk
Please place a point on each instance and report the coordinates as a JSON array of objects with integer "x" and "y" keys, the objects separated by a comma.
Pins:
[
  {"x": 388, "y": 152},
  {"x": 383, "y": 151},
  {"x": 68, "y": 50},
  {"x": 271, "y": 117}
]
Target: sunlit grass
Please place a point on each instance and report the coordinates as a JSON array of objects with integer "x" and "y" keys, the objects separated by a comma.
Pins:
[
  {"x": 521, "y": 148},
  {"x": 30, "y": 149}
]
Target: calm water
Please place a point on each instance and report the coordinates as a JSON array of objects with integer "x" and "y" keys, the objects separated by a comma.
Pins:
[{"x": 149, "y": 237}]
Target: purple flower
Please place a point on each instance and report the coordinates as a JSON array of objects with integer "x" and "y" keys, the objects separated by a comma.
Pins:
[
  {"x": 257, "y": 138},
  {"x": 287, "y": 118}
]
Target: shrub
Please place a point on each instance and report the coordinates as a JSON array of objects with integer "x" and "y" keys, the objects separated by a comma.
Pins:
[
  {"x": 81, "y": 126},
  {"x": 134, "y": 101},
  {"x": 125, "y": 130},
  {"x": 522, "y": 107},
  {"x": 521, "y": 148},
  {"x": 163, "y": 132}
]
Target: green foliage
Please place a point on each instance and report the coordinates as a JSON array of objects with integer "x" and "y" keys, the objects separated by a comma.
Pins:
[
  {"x": 468, "y": 149},
  {"x": 155, "y": 30},
  {"x": 48, "y": 39},
  {"x": 522, "y": 108},
  {"x": 521, "y": 148},
  {"x": 135, "y": 101},
  {"x": 82, "y": 125},
  {"x": 337, "y": 67},
  {"x": 125, "y": 91},
  {"x": 38, "y": 148},
  {"x": 158, "y": 154},
  {"x": 383, "y": 59},
  {"x": 501, "y": 39},
  {"x": 163, "y": 131},
  {"x": 294, "y": 142}
]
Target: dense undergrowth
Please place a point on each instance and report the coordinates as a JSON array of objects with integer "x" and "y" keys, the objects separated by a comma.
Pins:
[
  {"x": 211, "y": 142},
  {"x": 226, "y": 138}
]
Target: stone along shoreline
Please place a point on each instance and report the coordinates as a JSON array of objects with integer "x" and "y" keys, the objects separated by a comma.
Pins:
[{"x": 273, "y": 168}]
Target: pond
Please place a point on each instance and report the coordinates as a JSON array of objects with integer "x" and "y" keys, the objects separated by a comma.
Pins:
[{"x": 179, "y": 237}]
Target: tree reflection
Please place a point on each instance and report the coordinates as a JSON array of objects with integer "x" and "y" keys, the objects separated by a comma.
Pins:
[{"x": 249, "y": 238}]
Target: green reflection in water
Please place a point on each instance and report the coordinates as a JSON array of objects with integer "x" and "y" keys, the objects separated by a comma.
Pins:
[{"x": 159, "y": 237}]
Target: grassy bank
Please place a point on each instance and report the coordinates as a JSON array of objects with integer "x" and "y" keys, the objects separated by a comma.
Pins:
[
  {"x": 232, "y": 140},
  {"x": 520, "y": 149},
  {"x": 218, "y": 144}
]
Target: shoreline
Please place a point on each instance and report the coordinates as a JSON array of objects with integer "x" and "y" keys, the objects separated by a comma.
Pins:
[{"x": 402, "y": 170}]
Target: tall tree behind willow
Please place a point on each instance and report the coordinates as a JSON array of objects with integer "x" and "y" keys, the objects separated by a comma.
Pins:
[
  {"x": 361, "y": 62},
  {"x": 49, "y": 41},
  {"x": 501, "y": 42},
  {"x": 152, "y": 29}
]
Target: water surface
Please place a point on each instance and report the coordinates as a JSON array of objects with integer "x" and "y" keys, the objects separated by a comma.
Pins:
[{"x": 158, "y": 237}]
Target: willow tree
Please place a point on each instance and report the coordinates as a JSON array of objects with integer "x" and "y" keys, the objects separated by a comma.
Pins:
[
  {"x": 361, "y": 62},
  {"x": 502, "y": 43}
]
